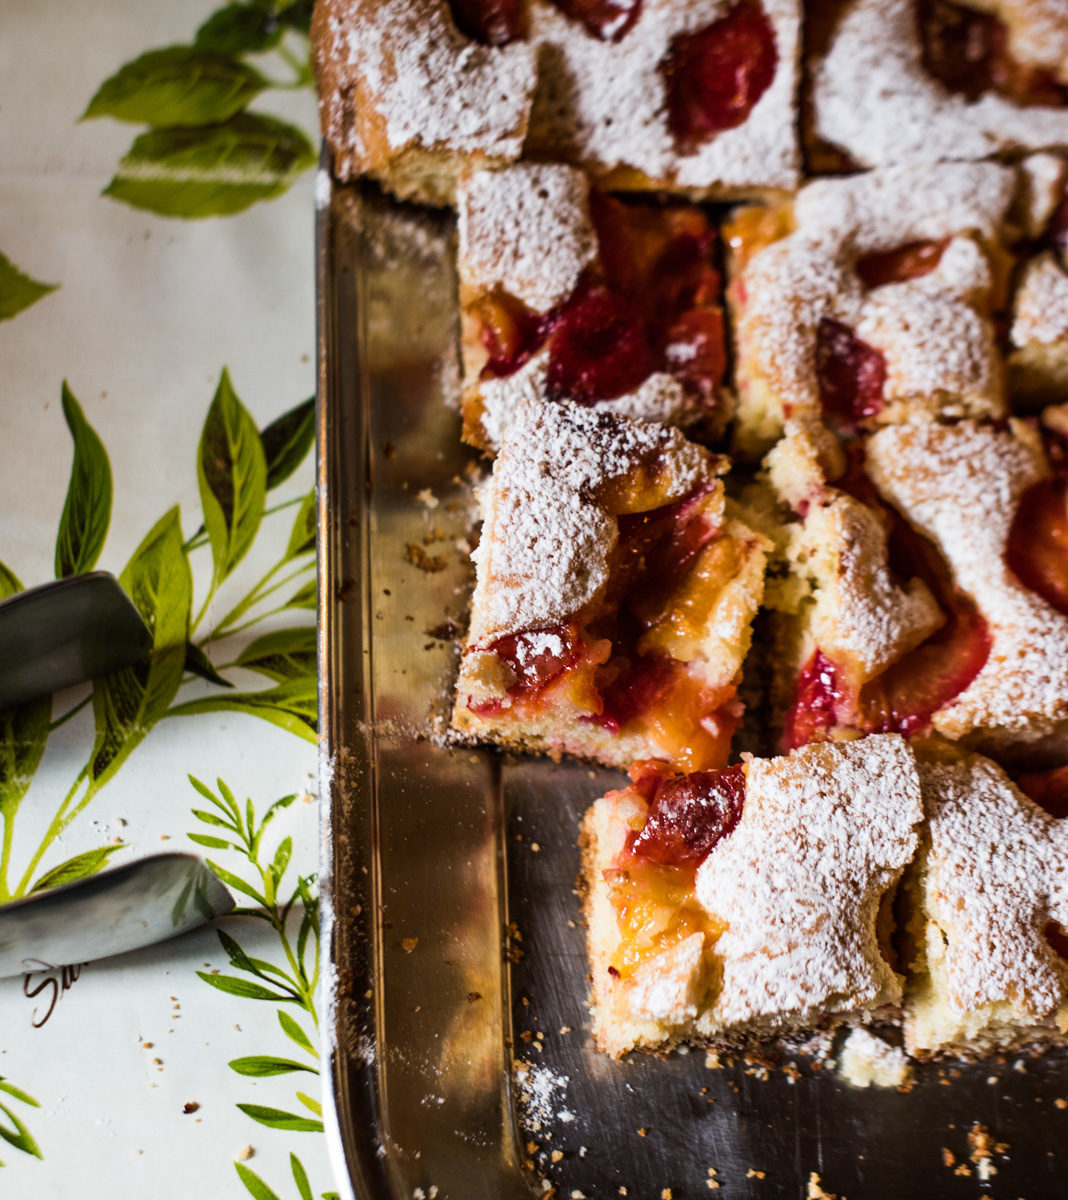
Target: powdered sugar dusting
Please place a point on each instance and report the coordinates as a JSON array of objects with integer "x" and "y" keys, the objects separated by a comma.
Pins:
[
  {"x": 604, "y": 104},
  {"x": 861, "y": 617},
  {"x": 824, "y": 833},
  {"x": 961, "y": 485},
  {"x": 1041, "y": 303},
  {"x": 996, "y": 872},
  {"x": 546, "y": 539},
  {"x": 874, "y": 99},
  {"x": 526, "y": 229},
  {"x": 541, "y": 1093},
  {"x": 428, "y": 84},
  {"x": 881, "y": 210},
  {"x": 939, "y": 350}
]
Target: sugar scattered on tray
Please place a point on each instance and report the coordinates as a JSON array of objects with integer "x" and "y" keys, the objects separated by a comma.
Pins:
[{"x": 541, "y": 1092}]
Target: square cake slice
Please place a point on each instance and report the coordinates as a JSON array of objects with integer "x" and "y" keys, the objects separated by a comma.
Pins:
[
  {"x": 614, "y": 594},
  {"x": 583, "y": 297},
  {"x": 418, "y": 92},
  {"x": 869, "y": 300},
  {"x": 931, "y": 80},
  {"x": 737, "y": 904},
  {"x": 942, "y": 606},
  {"x": 991, "y": 894}
]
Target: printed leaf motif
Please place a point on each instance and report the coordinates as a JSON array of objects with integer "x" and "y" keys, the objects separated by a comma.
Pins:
[
  {"x": 305, "y": 597},
  {"x": 213, "y": 171},
  {"x": 244, "y": 988},
  {"x": 81, "y": 866},
  {"x": 87, "y": 510},
  {"x": 254, "y": 1184},
  {"x": 198, "y": 663},
  {"x": 18, "y": 291},
  {"x": 212, "y": 843},
  {"x": 302, "y": 539},
  {"x": 260, "y": 1066},
  {"x": 18, "y": 1135},
  {"x": 300, "y": 1177},
  {"x": 238, "y": 884},
  {"x": 240, "y": 29},
  {"x": 298, "y": 15},
  {"x": 232, "y": 473},
  {"x": 177, "y": 86},
  {"x": 292, "y": 705},
  {"x": 18, "y": 1093},
  {"x": 129, "y": 702},
  {"x": 287, "y": 441},
  {"x": 294, "y": 1032},
  {"x": 275, "y": 1118},
  {"x": 284, "y": 654}
]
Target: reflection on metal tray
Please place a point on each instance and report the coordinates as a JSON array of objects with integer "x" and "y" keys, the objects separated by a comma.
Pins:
[{"x": 450, "y": 917}]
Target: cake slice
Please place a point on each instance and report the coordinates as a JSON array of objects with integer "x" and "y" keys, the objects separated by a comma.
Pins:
[
  {"x": 418, "y": 92},
  {"x": 750, "y": 901},
  {"x": 992, "y": 894},
  {"x": 971, "y": 518},
  {"x": 842, "y": 614},
  {"x": 925, "y": 81},
  {"x": 869, "y": 300},
  {"x": 578, "y": 296},
  {"x": 614, "y": 594}
]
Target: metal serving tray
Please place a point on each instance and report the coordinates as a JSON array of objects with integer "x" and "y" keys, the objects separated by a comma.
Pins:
[{"x": 452, "y": 928}]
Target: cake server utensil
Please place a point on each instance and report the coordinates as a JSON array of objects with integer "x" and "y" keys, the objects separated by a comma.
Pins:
[
  {"x": 65, "y": 632},
  {"x": 124, "y": 908}
]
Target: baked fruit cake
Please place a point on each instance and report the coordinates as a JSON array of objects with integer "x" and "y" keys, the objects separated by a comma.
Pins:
[
  {"x": 614, "y": 593},
  {"x": 1038, "y": 359},
  {"x": 943, "y": 607},
  {"x": 663, "y": 94},
  {"x": 989, "y": 899},
  {"x": 930, "y": 80},
  {"x": 572, "y": 294},
  {"x": 416, "y": 92},
  {"x": 869, "y": 300},
  {"x": 750, "y": 901}
]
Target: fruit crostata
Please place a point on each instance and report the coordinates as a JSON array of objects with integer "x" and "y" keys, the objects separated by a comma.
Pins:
[
  {"x": 928, "y": 589},
  {"x": 575, "y": 295},
  {"x": 732, "y": 904},
  {"x": 870, "y": 299},
  {"x": 615, "y": 589},
  {"x": 929, "y": 80},
  {"x": 641, "y": 93}
]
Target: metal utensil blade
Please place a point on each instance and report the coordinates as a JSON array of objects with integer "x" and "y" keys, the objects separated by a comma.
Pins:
[
  {"x": 65, "y": 632},
  {"x": 137, "y": 904}
]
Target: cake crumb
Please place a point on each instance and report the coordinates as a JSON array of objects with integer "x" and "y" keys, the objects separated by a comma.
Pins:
[
  {"x": 556, "y": 1155},
  {"x": 816, "y": 1192},
  {"x": 868, "y": 1061},
  {"x": 948, "y": 1157},
  {"x": 409, "y": 944},
  {"x": 712, "y": 1061},
  {"x": 753, "y": 1173},
  {"x": 665, "y": 1194},
  {"x": 1060, "y": 1103},
  {"x": 245, "y": 1153},
  {"x": 427, "y": 497}
]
